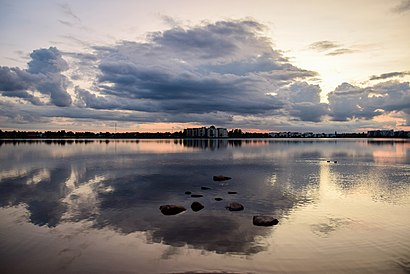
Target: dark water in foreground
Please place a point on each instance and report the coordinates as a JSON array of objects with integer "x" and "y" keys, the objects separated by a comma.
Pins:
[{"x": 93, "y": 206}]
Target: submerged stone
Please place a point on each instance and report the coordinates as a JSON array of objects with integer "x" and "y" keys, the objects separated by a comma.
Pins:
[
  {"x": 262, "y": 220},
  {"x": 218, "y": 199},
  {"x": 171, "y": 209},
  {"x": 196, "y": 206},
  {"x": 232, "y": 192},
  {"x": 234, "y": 206},
  {"x": 221, "y": 178},
  {"x": 188, "y": 192},
  {"x": 205, "y": 188},
  {"x": 197, "y": 195}
]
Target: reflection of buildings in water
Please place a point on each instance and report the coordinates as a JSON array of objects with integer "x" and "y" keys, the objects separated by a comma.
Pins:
[
  {"x": 390, "y": 151},
  {"x": 219, "y": 143},
  {"x": 205, "y": 144}
]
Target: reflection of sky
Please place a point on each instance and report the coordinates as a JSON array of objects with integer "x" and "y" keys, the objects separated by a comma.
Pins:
[{"x": 119, "y": 185}]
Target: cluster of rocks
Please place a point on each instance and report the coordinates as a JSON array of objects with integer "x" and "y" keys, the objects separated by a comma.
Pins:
[{"x": 260, "y": 220}]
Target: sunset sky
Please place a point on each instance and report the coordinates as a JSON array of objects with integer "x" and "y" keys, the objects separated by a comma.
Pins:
[{"x": 317, "y": 65}]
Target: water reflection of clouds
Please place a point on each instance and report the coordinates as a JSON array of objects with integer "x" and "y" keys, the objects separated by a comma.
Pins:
[
  {"x": 328, "y": 226},
  {"x": 122, "y": 185}
]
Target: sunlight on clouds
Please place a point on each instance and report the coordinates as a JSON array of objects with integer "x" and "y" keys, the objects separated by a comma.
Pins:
[
  {"x": 264, "y": 71},
  {"x": 39, "y": 176}
]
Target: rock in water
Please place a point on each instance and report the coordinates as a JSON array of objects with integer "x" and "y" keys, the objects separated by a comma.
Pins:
[
  {"x": 221, "y": 178},
  {"x": 205, "y": 188},
  {"x": 196, "y": 206},
  {"x": 234, "y": 206},
  {"x": 218, "y": 199},
  {"x": 171, "y": 209},
  {"x": 197, "y": 195},
  {"x": 188, "y": 192},
  {"x": 232, "y": 192},
  {"x": 264, "y": 220}
]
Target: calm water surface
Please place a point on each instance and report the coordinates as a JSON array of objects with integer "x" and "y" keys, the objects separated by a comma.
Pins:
[{"x": 93, "y": 206}]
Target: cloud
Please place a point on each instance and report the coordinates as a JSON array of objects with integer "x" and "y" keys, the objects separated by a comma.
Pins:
[
  {"x": 390, "y": 75},
  {"x": 66, "y": 8},
  {"x": 226, "y": 73},
  {"x": 340, "y": 51},
  {"x": 43, "y": 75},
  {"x": 403, "y": 7},
  {"x": 324, "y": 45},
  {"x": 350, "y": 102},
  {"x": 66, "y": 23},
  {"x": 330, "y": 48},
  {"x": 304, "y": 101},
  {"x": 171, "y": 21},
  {"x": 225, "y": 67}
]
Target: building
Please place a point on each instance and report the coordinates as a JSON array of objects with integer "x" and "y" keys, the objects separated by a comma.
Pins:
[
  {"x": 222, "y": 132},
  {"x": 380, "y": 133},
  {"x": 204, "y": 132}
]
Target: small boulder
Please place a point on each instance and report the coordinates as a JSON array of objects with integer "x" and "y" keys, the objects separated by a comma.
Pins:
[
  {"x": 335, "y": 162},
  {"x": 171, "y": 209},
  {"x": 264, "y": 220},
  {"x": 196, "y": 206},
  {"x": 221, "y": 178},
  {"x": 234, "y": 206},
  {"x": 205, "y": 188},
  {"x": 328, "y": 161},
  {"x": 197, "y": 195},
  {"x": 188, "y": 192},
  {"x": 232, "y": 192},
  {"x": 218, "y": 199}
]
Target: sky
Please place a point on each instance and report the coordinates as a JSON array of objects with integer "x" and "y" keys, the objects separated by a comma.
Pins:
[{"x": 148, "y": 66}]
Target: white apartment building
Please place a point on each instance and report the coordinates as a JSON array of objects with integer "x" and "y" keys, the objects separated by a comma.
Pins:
[{"x": 204, "y": 132}]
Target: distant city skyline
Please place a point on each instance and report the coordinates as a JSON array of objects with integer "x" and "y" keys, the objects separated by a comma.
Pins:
[{"x": 157, "y": 66}]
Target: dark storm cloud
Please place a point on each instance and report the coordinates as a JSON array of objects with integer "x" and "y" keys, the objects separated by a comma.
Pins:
[
  {"x": 186, "y": 92},
  {"x": 222, "y": 39},
  {"x": 304, "y": 101},
  {"x": 10, "y": 79},
  {"x": 390, "y": 75},
  {"x": 201, "y": 74},
  {"x": 108, "y": 102},
  {"x": 226, "y": 73},
  {"x": 349, "y": 102},
  {"x": 226, "y": 67},
  {"x": 43, "y": 75},
  {"x": 46, "y": 61}
]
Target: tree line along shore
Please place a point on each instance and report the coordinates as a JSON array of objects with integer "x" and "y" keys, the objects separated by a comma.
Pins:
[{"x": 234, "y": 133}]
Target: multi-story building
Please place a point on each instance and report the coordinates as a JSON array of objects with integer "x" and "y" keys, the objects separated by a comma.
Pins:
[{"x": 204, "y": 132}]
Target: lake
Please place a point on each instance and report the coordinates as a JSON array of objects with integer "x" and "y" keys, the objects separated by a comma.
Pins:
[{"x": 92, "y": 206}]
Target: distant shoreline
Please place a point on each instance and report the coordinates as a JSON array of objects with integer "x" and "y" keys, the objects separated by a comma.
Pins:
[
  {"x": 233, "y": 134},
  {"x": 197, "y": 139}
]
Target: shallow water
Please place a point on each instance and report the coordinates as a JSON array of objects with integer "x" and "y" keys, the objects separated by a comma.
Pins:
[{"x": 93, "y": 206}]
